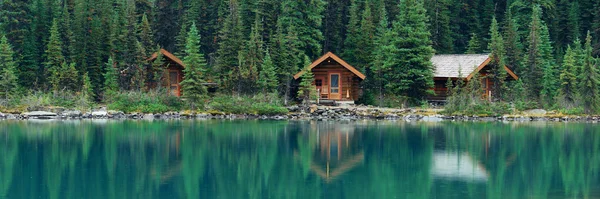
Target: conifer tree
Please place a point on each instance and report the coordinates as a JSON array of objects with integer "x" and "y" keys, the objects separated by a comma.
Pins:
[
  {"x": 54, "y": 56},
  {"x": 383, "y": 48},
  {"x": 307, "y": 91},
  {"x": 512, "y": 44},
  {"x": 195, "y": 68},
  {"x": 8, "y": 79},
  {"x": 146, "y": 37},
  {"x": 87, "y": 91},
  {"x": 411, "y": 71},
  {"x": 474, "y": 46},
  {"x": 550, "y": 78},
  {"x": 231, "y": 41},
  {"x": 589, "y": 79},
  {"x": 267, "y": 79},
  {"x": 111, "y": 79},
  {"x": 568, "y": 80},
  {"x": 365, "y": 39},
  {"x": 441, "y": 35},
  {"x": 353, "y": 33},
  {"x": 67, "y": 77},
  {"x": 252, "y": 56},
  {"x": 497, "y": 54},
  {"x": 539, "y": 58}
]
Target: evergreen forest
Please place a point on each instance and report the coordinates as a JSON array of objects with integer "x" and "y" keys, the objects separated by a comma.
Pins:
[{"x": 98, "y": 51}]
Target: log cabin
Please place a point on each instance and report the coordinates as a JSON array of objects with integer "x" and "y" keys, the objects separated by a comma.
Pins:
[
  {"x": 174, "y": 72},
  {"x": 335, "y": 79},
  {"x": 463, "y": 66}
]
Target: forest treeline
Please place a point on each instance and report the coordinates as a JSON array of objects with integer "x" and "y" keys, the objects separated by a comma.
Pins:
[{"x": 94, "y": 47}]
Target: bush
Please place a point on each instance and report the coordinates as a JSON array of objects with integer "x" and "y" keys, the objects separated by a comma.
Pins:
[
  {"x": 259, "y": 104},
  {"x": 145, "y": 102},
  {"x": 39, "y": 100}
]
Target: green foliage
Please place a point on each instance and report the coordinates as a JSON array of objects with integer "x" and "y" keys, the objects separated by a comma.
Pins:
[
  {"x": 568, "y": 92},
  {"x": 259, "y": 104},
  {"x": 195, "y": 69},
  {"x": 409, "y": 71},
  {"x": 54, "y": 57},
  {"x": 497, "y": 54},
  {"x": 474, "y": 46},
  {"x": 267, "y": 79},
  {"x": 8, "y": 78},
  {"x": 589, "y": 79},
  {"x": 86, "y": 90},
  {"x": 307, "y": 91},
  {"x": 111, "y": 85},
  {"x": 145, "y": 102}
]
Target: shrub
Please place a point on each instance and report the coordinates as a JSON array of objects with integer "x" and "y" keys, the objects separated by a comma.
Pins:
[{"x": 145, "y": 102}]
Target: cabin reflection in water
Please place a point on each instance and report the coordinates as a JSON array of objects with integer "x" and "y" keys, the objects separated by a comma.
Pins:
[{"x": 337, "y": 150}]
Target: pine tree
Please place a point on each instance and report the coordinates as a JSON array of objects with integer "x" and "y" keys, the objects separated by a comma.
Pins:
[
  {"x": 539, "y": 59},
  {"x": 568, "y": 80},
  {"x": 67, "y": 77},
  {"x": 8, "y": 79},
  {"x": 589, "y": 79},
  {"x": 550, "y": 78},
  {"x": 365, "y": 40},
  {"x": 111, "y": 79},
  {"x": 307, "y": 91},
  {"x": 513, "y": 45},
  {"x": 411, "y": 71},
  {"x": 86, "y": 90},
  {"x": 353, "y": 33},
  {"x": 146, "y": 37},
  {"x": 497, "y": 54},
  {"x": 383, "y": 48},
  {"x": 267, "y": 79},
  {"x": 441, "y": 35},
  {"x": 474, "y": 46},
  {"x": 231, "y": 41},
  {"x": 54, "y": 56},
  {"x": 195, "y": 68},
  {"x": 252, "y": 57}
]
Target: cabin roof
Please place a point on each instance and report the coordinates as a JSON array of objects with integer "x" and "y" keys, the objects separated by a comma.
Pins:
[
  {"x": 169, "y": 56},
  {"x": 448, "y": 66},
  {"x": 335, "y": 58}
]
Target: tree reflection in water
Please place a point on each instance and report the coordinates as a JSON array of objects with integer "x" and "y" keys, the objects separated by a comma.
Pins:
[{"x": 280, "y": 159}]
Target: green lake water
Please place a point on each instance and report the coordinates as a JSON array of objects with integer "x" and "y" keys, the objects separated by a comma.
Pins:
[{"x": 288, "y": 159}]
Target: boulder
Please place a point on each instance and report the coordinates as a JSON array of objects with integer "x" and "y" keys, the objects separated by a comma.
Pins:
[
  {"x": 40, "y": 115},
  {"x": 535, "y": 112},
  {"x": 99, "y": 113},
  {"x": 71, "y": 114}
]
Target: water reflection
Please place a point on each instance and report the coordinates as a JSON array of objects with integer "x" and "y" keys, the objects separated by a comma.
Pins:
[{"x": 279, "y": 159}]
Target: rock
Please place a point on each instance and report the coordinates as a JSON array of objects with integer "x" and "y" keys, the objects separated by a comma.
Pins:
[
  {"x": 99, "y": 114},
  {"x": 40, "y": 115},
  {"x": 432, "y": 119},
  {"x": 71, "y": 114},
  {"x": 148, "y": 117},
  {"x": 535, "y": 112},
  {"x": 2, "y": 115},
  {"x": 202, "y": 115},
  {"x": 313, "y": 108}
]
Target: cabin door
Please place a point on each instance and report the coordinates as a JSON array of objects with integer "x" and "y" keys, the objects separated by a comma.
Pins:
[
  {"x": 319, "y": 85},
  {"x": 335, "y": 86},
  {"x": 174, "y": 86}
]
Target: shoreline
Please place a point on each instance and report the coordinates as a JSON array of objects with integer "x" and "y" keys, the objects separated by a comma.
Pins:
[{"x": 311, "y": 113}]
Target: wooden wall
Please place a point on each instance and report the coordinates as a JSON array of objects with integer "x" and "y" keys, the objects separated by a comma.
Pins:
[{"x": 350, "y": 83}]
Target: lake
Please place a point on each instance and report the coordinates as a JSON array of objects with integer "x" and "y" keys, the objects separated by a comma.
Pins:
[{"x": 293, "y": 159}]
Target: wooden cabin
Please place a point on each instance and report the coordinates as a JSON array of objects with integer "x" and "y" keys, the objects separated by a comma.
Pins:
[
  {"x": 335, "y": 79},
  {"x": 463, "y": 66},
  {"x": 174, "y": 72}
]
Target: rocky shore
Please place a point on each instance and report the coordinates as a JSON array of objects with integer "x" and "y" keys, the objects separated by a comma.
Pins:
[{"x": 297, "y": 113}]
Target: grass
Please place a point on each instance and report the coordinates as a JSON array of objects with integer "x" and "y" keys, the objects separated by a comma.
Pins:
[{"x": 258, "y": 104}]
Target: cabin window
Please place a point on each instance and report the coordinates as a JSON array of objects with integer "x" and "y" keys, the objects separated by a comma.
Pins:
[
  {"x": 484, "y": 83},
  {"x": 319, "y": 82},
  {"x": 335, "y": 83}
]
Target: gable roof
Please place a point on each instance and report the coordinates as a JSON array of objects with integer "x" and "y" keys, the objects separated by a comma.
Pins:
[
  {"x": 449, "y": 65},
  {"x": 335, "y": 58},
  {"x": 168, "y": 55}
]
